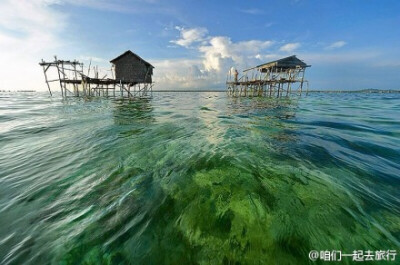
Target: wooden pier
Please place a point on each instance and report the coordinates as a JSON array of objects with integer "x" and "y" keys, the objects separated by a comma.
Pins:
[
  {"x": 277, "y": 78},
  {"x": 132, "y": 78}
]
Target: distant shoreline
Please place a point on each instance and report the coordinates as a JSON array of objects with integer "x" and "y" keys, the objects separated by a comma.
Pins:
[
  {"x": 355, "y": 91},
  {"x": 21, "y": 91},
  {"x": 220, "y": 91},
  {"x": 310, "y": 91}
]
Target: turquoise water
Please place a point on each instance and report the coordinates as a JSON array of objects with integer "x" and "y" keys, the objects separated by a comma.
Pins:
[{"x": 197, "y": 178}]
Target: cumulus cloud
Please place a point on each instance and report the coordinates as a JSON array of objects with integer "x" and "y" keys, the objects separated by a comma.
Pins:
[
  {"x": 184, "y": 74},
  {"x": 216, "y": 55},
  {"x": 190, "y": 36},
  {"x": 336, "y": 45},
  {"x": 221, "y": 51},
  {"x": 290, "y": 47}
]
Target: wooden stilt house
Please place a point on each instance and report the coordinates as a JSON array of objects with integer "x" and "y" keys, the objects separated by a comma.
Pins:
[{"x": 130, "y": 67}]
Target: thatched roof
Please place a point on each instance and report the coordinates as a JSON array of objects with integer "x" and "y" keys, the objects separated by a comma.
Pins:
[
  {"x": 290, "y": 62},
  {"x": 129, "y": 52}
]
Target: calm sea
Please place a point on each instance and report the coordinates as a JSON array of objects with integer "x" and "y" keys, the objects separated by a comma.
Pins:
[{"x": 197, "y": 178}]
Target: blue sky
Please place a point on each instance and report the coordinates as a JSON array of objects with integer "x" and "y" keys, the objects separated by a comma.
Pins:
[{"x": 351, "y": 44}]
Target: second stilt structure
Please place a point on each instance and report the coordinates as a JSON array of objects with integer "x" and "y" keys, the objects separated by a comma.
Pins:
[{"x": 276, "y": 78}]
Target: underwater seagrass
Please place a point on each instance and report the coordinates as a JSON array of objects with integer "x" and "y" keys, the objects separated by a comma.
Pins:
[{"x": 208, "y": 180}]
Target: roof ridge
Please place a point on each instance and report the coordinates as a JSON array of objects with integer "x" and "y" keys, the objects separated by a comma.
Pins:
[
  {"x": 278, "y": 61},
  {"x": 134, "y": 54},
  {"x": 281, "y": 59}
]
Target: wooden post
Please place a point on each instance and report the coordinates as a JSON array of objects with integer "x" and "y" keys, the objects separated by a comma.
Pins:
[
  {"x": 288, "y": 85},
  {"x": 45, "y": 77},
  {"x": 83, "y": 87},
  {"x": 65, "y": 78},
  {"x": 76, "y": 78},
  {"x": 279, "y": 88},
  {"x": 302, "y": 80},
  {"x": 63, "y": 72},
  {"x": 59, "y": 76},
  {"x": 270, "y": 89}
]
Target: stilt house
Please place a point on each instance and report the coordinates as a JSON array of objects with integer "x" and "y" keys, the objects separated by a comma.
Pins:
[{"x": 130, "y": 67}]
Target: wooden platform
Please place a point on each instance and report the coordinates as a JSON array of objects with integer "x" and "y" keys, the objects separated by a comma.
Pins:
[{"x": 261, "y": 87}]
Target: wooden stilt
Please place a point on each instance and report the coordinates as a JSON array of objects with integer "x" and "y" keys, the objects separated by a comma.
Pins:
[
  {"x": 302, "y": 80},
  {"x": 45, "y": 77}
]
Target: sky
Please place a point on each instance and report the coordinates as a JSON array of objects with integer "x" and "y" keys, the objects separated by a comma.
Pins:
[{"x": 350, "y": 44}]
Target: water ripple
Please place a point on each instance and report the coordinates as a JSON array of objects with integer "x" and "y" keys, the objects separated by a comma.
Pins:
[{"x": 197, "y": 178}]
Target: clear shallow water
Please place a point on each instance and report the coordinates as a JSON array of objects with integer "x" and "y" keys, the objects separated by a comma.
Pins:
[{"x": 197, "y": 178}]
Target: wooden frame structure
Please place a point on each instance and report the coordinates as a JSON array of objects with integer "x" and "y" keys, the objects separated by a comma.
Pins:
[
  {"x": 73, "y": 82},
  {"x": 275, "y": 78}
]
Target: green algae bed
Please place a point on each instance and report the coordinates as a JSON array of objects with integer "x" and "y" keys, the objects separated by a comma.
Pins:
[{"x": 197, "y": 178}]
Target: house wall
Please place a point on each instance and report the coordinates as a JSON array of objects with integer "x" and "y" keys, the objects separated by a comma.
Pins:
[{"x": 130, "y": 68}]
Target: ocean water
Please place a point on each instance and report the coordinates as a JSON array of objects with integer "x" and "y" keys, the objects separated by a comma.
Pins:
[{"x": 197, "y": 178}]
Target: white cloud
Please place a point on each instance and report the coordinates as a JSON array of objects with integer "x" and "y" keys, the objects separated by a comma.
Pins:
[
  {"x": 190, "y": 36},
  {"x": 28, "y": 31},
  {"x": 216, "y": 55},
  {"x": 221, "y": 51},
  {"x": 290, "y": 47},
  {"x": 182, "y": 74},
  {"x": 336, "y": 45}
]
